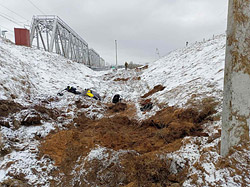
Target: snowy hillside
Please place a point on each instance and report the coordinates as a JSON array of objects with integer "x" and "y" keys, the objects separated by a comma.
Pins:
[
  {"x": 24, "y": 68},
  {"x": 166, "y": 130},
  {"x": 194, "y": 69}
]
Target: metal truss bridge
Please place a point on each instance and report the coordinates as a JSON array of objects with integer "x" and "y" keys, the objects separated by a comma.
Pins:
[{"x": 54, "y": 35}]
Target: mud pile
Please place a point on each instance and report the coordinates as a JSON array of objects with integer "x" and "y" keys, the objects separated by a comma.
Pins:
[
  {"x": 154, "y": 90},
  {"x": 13, "y": 115},
  {"x": 118, "y": 107},
  {"x": 8, "y": 107},
  {"x": 121, "y": 79},
  {"x": 139, "y": 166}
]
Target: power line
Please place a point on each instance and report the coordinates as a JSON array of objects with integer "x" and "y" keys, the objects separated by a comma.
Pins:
[
  {"x": 36, "y": 7},
  {"x": 6, "y": 28},
  {"x": 15, "y": 13},
  {"x": 10, "y": 19}
]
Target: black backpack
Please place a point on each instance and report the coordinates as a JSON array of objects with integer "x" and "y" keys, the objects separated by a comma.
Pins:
[{"x": 116, "y": 98}]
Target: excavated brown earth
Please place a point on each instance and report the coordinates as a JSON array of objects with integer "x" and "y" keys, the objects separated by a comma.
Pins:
[
  {"x": 154, "y": 90},
  {"x": 161, "y": 133},
  {"x": 117, "y": 107},
  {"x": 37, "y": 113},
  {"x": 121, "y": 79},
  {"x": 7, "y": 107}
]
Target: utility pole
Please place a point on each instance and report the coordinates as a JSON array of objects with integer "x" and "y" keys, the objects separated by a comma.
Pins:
[
  {"x": 116, "y": 53},
  {"x": 236, "y": 98}
]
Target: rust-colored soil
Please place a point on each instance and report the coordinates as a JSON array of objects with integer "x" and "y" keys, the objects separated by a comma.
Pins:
[
  {"x": 121, "y": 79},
  {"x": 8, "y": 107},
  {"x": 28, "y": 118},
  {"x": 161, "y": 133},
  {"x": 146, "y": 105},
  {"x": 145, "y": 101},
  {"x": 136, "y": 78},
  {"x": 51, "y": 113},
  {"x": 138, "y": 69},
  {"x": 121, "y": 109},
  {"x": 154, "y": 90},
  {"x": 118, "y": 107},
  {"x": 80, "y": 104}
]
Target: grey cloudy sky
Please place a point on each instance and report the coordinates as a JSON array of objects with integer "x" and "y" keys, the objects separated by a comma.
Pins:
[{"x": 139, "y": 26}]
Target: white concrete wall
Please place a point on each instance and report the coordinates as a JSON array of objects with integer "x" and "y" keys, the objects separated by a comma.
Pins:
[{"x": 236, "y": 105}]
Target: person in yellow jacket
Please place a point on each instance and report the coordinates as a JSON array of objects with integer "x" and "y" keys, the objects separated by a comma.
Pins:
[{"x": 92, "y": 94}]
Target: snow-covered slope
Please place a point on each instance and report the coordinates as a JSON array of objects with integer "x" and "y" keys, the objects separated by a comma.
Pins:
[
  {"x": 197, "y": 69},
  {"x": 32, "y": 77},
  {"x": 38, "y": 72}
]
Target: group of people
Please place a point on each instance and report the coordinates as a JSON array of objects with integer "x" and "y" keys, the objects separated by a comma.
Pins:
[
  {"x": 90, "y": 93},
  {"x": 86, "y": 92}
]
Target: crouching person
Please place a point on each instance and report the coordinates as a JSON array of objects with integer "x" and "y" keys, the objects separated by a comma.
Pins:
[
  {"x": 116, "y": 99},
  {"x": 91, "y": 93},
  {"x": 70, "y": 89}
]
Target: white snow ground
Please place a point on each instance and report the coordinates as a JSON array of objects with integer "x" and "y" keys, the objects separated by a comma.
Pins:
[{"x": 29, "y": 75}]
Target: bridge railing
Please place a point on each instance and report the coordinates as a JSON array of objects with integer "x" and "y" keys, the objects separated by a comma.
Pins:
[{"x": 53, "y": 34}]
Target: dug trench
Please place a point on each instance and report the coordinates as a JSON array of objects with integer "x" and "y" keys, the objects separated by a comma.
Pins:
[
  {"x": 162, "y": 133},
  {"x": 28, "y": 116}
]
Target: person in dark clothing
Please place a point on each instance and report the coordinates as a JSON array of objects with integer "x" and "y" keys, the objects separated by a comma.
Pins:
[
  {"x": 86, "y": 92},
  {"x": 116, "y": 98},
  {"x": 69, "y": 89},
  {"x": 72, "y": 90},
  {"x": 126, "y": 65}
]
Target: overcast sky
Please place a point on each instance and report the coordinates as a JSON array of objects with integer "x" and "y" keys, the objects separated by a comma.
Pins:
[{"x": 139, "y": 26}]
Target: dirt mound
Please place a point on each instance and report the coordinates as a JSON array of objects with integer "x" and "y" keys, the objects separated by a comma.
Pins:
[
  {"x": 178, "y": 122},
  {"x": 146, "y": 170},
  {"x": 121, "y": 109},
  {"x": 66, "y": 146},
  {"x": 9, "y": 107},
  {"x": 161, "y": 133},
  {"x": 131, "y": 170},
  {"x": 31, "y": 118},
  {"x": 47, "y": 113},
  {"x": 174, "y": 123},
  {"x": 154, "y": 90},
  {"x": 27, "y": 116},
  {"x": 145, "y": 101},
  {"x": 80, "y": 104},
  {"x": 121, "y": 79},
  {"x": 118, "y": 107},
  {"x": 15, "y": 182}
]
